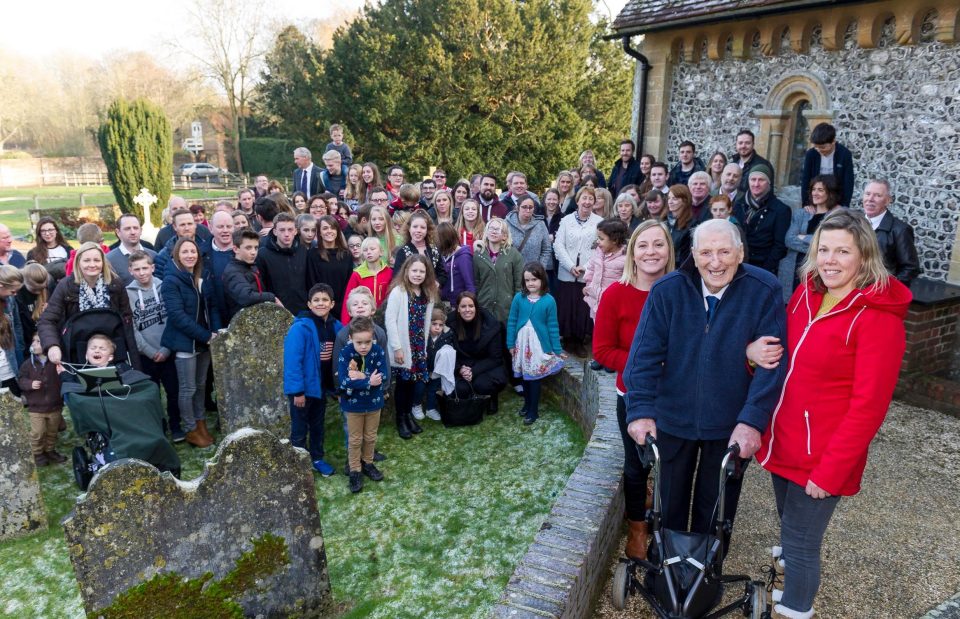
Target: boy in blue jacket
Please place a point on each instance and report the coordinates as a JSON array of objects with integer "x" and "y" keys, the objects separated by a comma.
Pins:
[
  {"x": 308, "y": 346},
  {"x": 361, "y": 366}
]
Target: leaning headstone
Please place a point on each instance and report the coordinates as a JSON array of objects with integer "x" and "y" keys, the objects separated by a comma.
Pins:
[
  {"x": 248, "y": 370},
  {"x": 21, "y": 504},
  {"x": 243, "y": 538}
]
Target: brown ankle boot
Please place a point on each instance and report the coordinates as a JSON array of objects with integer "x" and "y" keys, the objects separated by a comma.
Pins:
[
  {"x": 197, "y": 439},
  {"x": 636, "y": 540},
  {"x": 202, "y": 427}
]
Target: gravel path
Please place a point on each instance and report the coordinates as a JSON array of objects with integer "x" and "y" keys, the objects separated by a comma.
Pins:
[{"x": 891, "y": 551}]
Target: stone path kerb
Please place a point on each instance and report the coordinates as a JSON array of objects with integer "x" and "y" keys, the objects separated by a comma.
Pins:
[{"x": 564, "y": 568}]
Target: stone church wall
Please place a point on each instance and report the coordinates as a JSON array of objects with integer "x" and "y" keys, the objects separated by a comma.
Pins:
[{"x": 896, "y": 107}]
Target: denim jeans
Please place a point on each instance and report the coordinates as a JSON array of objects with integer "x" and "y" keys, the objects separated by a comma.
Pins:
[
  {"x": 308, "y": 420},
  {"x": 431, "y": 394},
  {"x": 803, "y": 522},
  {"x": 192, "y": 374}
]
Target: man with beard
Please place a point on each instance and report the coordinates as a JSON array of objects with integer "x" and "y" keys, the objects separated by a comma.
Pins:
[
  {"x": 765, "y": 220},
  {"x": 747, "y": 158},
  {"x": 626, "y": 171},
  {"x": 730, "y": 183},
  {"x": 689, "y": 163},
  {"x": 490, "y": 204}
]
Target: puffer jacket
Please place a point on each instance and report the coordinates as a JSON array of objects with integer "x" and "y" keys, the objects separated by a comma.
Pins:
[
  {"x": 538, "y": 247},
  {"x": 498, "y": 281},
  {"x": 602, "y": 270},
  {"x": 843, "y": 367},
  {"x": 192, "y": 314}
]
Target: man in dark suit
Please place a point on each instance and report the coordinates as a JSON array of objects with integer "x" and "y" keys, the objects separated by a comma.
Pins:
[
  {"x": 827, "y": 157},
  {"x": 306, "y": 177},
  {"x": 747, "y": 158},
  {"x": 894, "y": 236}
]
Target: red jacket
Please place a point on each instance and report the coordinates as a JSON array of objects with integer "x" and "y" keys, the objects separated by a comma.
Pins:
[
  {"x": 617, "y": 317},
  {"x": 843, "y": 369},
  {"x": 379, "y": 285}
]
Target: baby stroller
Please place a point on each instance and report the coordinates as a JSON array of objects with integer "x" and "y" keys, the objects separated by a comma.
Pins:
[
  {"x": 115, "y": 409},
  {"x": 683, "y": 576}
]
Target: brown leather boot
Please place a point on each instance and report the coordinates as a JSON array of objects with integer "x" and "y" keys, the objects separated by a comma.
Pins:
[
  {"x": 196, "y": 438},
  {"x": 636, "y": 540},
  {"x": 202, "y": 427}
]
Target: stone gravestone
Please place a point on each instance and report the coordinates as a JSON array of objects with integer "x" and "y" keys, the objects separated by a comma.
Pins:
[
  {"x": 21, "y": 504},
  {"x": 248, "y": 370},
  {"x": 243, "y": 537}
]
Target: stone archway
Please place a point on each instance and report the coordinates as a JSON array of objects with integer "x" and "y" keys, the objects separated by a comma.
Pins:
[{"x": 796, "y": 97}]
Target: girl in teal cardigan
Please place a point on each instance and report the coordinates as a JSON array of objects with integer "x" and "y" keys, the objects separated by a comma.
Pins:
[{"x": 533, "y": 337}]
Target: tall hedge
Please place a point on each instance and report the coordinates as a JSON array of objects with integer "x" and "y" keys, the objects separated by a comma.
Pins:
[
  {"x": 137, "y": 146},
  {"x": 270, "y": 156}
]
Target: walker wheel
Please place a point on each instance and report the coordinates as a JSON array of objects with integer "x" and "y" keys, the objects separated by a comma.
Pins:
[
  {"x": 621, "y": 585},
  {"x": 758, "y": 600},
  {"x": 81, "y": 468}
]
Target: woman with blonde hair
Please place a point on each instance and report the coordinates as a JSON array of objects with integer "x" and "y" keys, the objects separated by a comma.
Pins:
[
  {"x": 381, "y": 228},
  {"x": 470, "y": 226},
  {"x": 566, "y": 187},
  {"x": 32, "y": 299},
  {"x": 850, "y": 311},
  {"x": 649, "y": 257},
  {"x": 93, "y": 285},
  {"x": 353, "y": 192},
  {"x": 604, "y": 204}
]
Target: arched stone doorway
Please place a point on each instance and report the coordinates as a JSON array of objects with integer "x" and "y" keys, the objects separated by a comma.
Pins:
[{"x": 794, "y": 106}]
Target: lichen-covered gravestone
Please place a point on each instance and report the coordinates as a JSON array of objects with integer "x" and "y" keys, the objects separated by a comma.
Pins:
[
  {"x": 248, "y": 370},
  {"x": 21, "y": 504},
  {"x": 243, "y": 539}
]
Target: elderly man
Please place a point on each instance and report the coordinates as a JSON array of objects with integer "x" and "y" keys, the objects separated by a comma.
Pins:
[
  {"x": 699, "y": 185},
  {"x": 765, "y": 220},
  {"x": 8, "y": 255},
  {"x": 306, "y": 177},
  {"x": 894, "y": 236},
  {"x": 687, "y": 378},
  {"x": 128, "y": 241},
  {"x": 168, "y": 232}
]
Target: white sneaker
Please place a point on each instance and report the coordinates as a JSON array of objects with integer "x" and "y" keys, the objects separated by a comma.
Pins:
[
  {"x": 433, "y": 414},
  {"x": 518, "y": 389},
  {"x": 418, "y": 412},
  {"x": 789, "y": 613}
]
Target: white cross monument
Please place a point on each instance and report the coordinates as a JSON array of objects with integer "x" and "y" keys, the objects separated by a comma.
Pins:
[{"x": 145, "y": 200}]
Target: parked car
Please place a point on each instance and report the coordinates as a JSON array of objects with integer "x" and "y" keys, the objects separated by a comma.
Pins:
[{"x": 198, "y": 171}]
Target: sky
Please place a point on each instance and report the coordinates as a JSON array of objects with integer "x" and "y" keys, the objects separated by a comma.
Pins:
[{"x": 95, "y": 27}]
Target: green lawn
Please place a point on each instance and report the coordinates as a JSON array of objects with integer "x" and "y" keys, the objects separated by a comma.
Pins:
[
  {"x": 439, "y": 537},
  {"x": 14, "y": 203}
]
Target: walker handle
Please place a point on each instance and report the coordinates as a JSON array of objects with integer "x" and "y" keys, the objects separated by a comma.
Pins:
[
  {"x": 732, "y": 462},
  {"x": 648, "y": 453}
]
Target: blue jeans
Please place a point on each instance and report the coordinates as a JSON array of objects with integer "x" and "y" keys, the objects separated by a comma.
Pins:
[
  {"x": 305, "y": 420},
  {"x": 431, "y": 394},
  {"x": 803, "y": 521},
  {"x": 192, "y": 374}
]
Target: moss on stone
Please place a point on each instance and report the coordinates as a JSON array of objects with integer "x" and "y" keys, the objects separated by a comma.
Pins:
[{"x": 171, "y": 596}]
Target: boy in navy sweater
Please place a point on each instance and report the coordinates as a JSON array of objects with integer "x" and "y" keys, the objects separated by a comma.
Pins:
[{"x": 361, "y": 366}]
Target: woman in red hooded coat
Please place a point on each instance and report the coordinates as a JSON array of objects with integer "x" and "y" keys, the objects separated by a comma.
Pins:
[{"x": 845, "y": 344}]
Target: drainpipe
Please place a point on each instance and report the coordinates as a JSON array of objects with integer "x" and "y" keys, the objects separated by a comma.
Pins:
[{"x": 644, "y": 72}]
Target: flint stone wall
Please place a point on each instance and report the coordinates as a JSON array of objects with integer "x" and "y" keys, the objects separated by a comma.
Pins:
[
  {"x": 248, "y": 370},
  {"x": 21, "y": 504},
  {"x": 135, "y": 523},
  {"x": 896, "y": 107}
]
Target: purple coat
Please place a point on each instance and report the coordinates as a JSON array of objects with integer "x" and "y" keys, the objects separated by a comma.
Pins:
[{"x": 459, "y": 270}]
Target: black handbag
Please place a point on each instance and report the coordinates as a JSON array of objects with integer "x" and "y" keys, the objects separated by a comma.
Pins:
[{"x": 456, "y": 411}]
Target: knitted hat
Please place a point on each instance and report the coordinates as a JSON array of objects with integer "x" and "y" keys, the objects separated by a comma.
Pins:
[{"x": 761, "y": 170}]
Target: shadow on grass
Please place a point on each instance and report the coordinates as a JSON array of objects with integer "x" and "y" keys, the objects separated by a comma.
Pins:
[{"x": 439, "y": 537}]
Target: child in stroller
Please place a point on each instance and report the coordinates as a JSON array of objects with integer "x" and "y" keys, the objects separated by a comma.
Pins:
[{"x": 114, "y": 407}]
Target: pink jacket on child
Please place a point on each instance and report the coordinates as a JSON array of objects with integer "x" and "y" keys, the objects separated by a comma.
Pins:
[{"x": 602, "y": 270}]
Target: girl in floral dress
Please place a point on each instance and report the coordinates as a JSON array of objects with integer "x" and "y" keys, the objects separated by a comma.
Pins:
[
  {"x": 533, "y": 337},
  {"x": 409, "y": 306}
]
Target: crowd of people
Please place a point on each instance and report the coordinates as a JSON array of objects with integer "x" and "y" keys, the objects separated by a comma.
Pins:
[{"x": 424, "y": 290}]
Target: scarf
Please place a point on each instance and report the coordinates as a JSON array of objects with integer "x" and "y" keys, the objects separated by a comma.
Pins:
[
  {"x": 755, "y": 205},
  {"x": 94, "y": 298}
]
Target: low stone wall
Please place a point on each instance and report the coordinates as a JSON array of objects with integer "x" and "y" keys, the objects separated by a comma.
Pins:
[{"x": 565, "y": 567}]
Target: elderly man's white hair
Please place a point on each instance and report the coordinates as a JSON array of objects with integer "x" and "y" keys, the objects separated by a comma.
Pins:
[
  {"x": 699, "y": 175},
  {"x": 302, "y": 151},
  {"x": 717, "y": 225},
  {"x": 176, "y": 202}
]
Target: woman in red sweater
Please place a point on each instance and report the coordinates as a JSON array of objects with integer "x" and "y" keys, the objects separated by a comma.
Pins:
[
  {"x": 649, "y": 257},
  {"x": 845, "y": 342}
]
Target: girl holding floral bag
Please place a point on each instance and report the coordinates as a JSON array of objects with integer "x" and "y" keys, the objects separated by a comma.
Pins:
[{"x": 533, "y": 337}]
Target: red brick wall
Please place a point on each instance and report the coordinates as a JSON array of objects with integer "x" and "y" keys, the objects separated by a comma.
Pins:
[{"x": 931, "y": 336}]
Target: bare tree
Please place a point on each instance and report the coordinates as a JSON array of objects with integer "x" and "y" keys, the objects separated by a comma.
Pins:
[{"x": 226, "y": 41}]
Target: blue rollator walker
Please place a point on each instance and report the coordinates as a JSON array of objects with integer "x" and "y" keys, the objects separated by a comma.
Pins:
[{"x": 683, "y": 575}]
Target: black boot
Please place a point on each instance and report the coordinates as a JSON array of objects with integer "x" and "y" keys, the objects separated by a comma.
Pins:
[
  {"x": 402, "y": 428},
  {"x": 494, "y": 404},
  {"x": 413, "y": 425}
]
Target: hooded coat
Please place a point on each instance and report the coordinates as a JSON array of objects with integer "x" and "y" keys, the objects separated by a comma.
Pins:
[
  {"x": 843, "y": 367},
  {"x": 538, "y": 246},
  {"x": 284, "y": 272},
  {"x": 602, "y": 270}
]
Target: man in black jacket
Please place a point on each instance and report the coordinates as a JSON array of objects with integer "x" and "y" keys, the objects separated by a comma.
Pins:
[
  {"x": 283, "y": 264},
  {"x": 894, "y": 236},
  {"x": 626, "y": 171},
  {"x": 765, "y": 220},
  {"x": 747, "y": 158},
  {"x": 827, "y": 157},
  {"x": 687, "y": 165}
]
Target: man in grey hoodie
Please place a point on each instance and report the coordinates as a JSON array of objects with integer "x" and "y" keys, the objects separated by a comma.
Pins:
[{"x": 149, "y": 321}]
